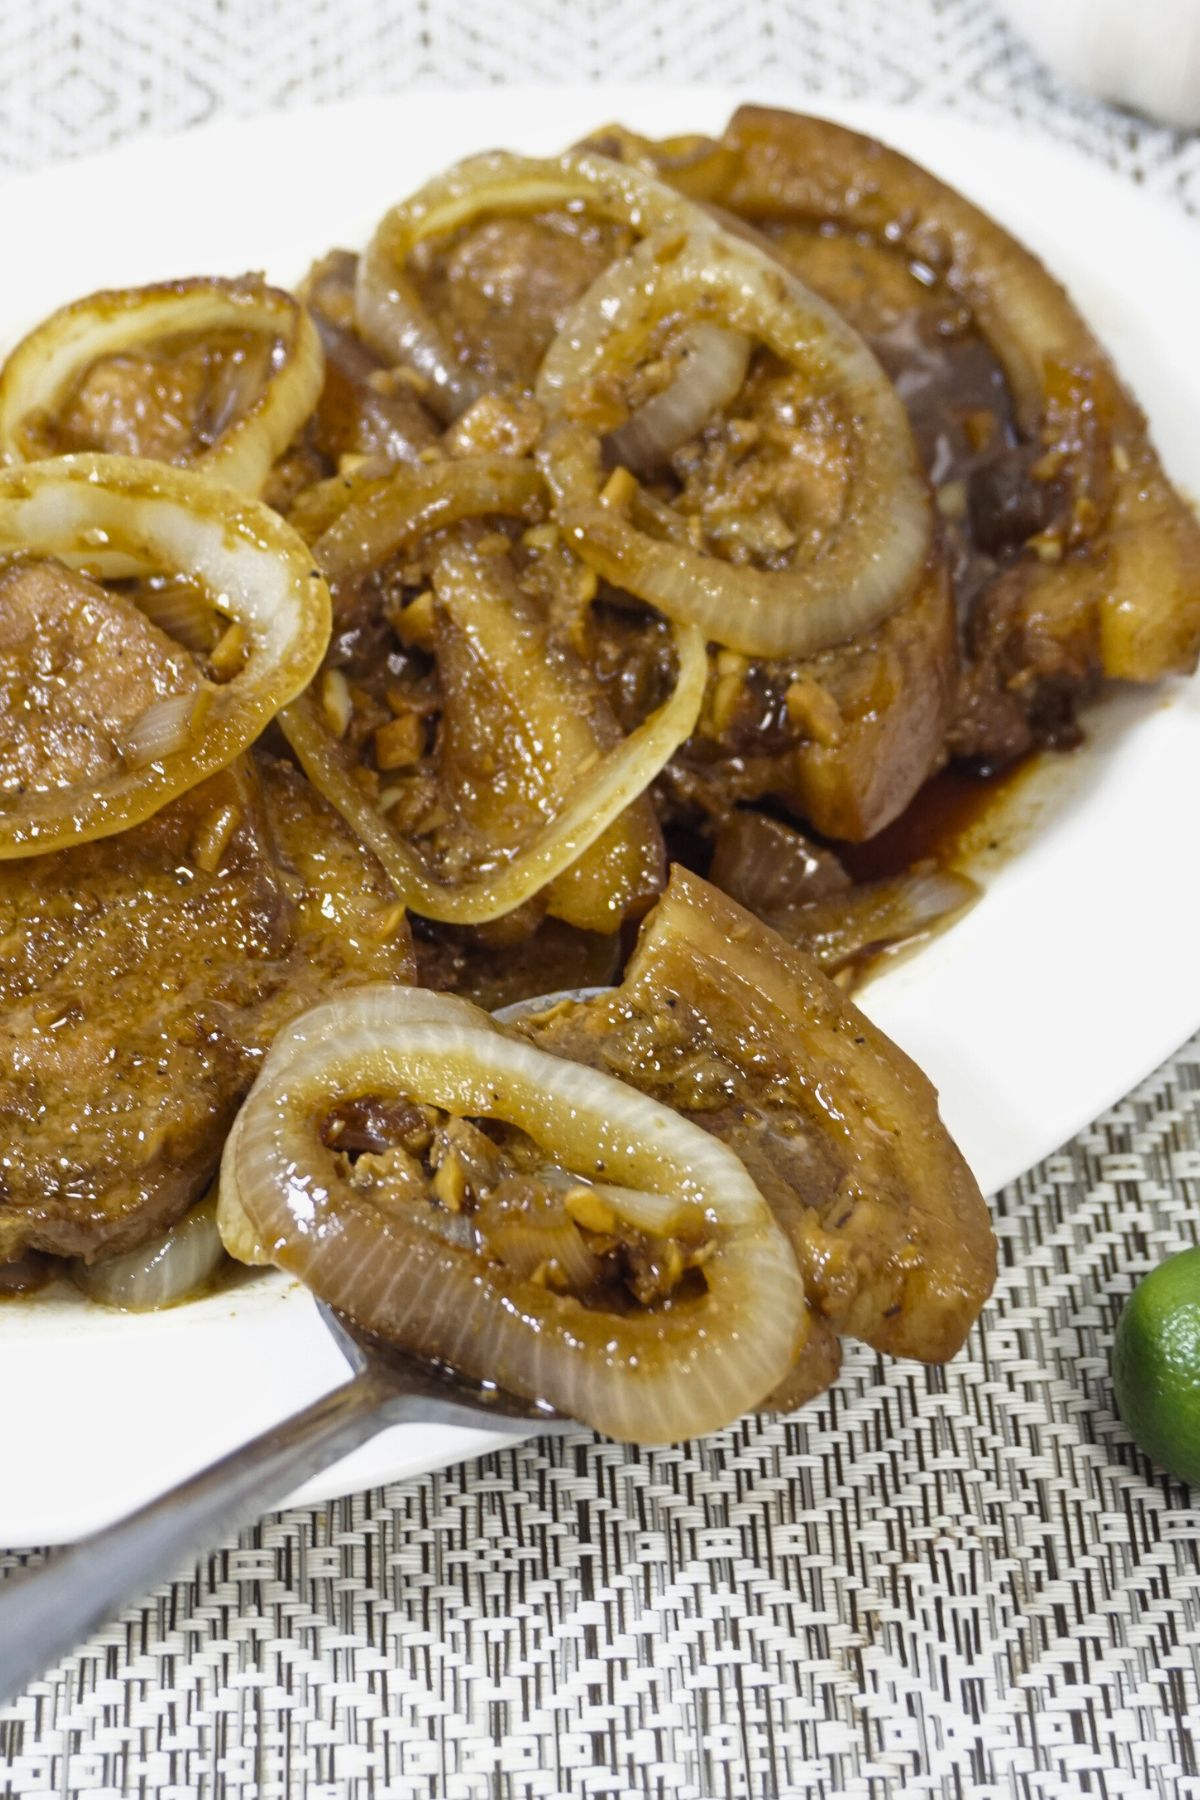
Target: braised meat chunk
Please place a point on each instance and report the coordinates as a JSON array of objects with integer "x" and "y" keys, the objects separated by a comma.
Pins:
[
  {"x": 741, "y": 1032},
  {"x": 142, "y": 976},
  {"x": 1081, "y": 561},
  {"x": 212, "y": 373},
  {"x": 843, "y": 739},
  {"x": 79, "y": 668}
]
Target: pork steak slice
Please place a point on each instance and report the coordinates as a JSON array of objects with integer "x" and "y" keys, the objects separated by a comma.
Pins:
[{"x": 142, "y": 975}]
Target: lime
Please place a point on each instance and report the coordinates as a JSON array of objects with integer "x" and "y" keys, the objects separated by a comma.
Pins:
[{"x": 1156, "y": 1365}]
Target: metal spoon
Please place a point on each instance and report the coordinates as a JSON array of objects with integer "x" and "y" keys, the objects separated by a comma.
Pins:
[{"x": 46, "y": 1611}]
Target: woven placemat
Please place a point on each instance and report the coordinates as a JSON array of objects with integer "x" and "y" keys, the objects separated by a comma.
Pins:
[{"x": 934, "y": 1582}]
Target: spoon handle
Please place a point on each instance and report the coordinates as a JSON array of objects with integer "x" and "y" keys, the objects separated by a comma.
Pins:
[{"x": 46, "y": 1611}]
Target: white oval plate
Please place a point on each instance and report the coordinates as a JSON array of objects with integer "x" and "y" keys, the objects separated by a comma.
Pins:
[{"x": 1076, "y": 976}]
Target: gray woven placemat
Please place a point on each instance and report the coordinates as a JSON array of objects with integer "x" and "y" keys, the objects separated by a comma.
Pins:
[{"x": 945, "y": 1582}]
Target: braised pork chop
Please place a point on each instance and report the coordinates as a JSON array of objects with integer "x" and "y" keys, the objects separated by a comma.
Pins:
[
  {"x": 722, "y": 1020},
  {"x": 142, "y": 975},
  {"x": 139, "y": 990},
  {"x": 843, "y": 740},
  {"x": 1085, "y": 563}
]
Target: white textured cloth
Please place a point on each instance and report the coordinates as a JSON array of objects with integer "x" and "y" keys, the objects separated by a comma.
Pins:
[{"x": 959, "y": 1582}]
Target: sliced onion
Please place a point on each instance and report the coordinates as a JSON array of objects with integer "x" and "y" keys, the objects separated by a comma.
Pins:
[
  {"x": 875, "y": 915},
  {"x": 575, "y": 819},
  {"x": 175, "y": 1266},
  {"x": 861, "y": 571},
  {"x": 549, "y": 1242},
  {"x": 179, "y": 609},
  {"x": 650, "y": 1376},
  {"x": 165, "y": 728},
  {"x": 390, "y": 314},
  {"x": 769, "y": 866},
  {"x": 657, "y": 1215},
  {"x": 713, "y": 371},
  {"x": 41, "y": 372},
  {"x": 251, "y": 566},
  {"x": 238, "y": 1236},
  {"x": 384, "y": 516}
]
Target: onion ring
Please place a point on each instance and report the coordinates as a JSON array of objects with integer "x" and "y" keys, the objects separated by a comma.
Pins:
[
  {"x": 390, "y": 315},
  {"x": 397, "y": 511},
  {"x": 176, "y": 1265},
  {"x": 582, "y": 815},
  {"x": 714, "y": 368},
  {"x": 652, "y": 1376},
  {"x": 253, "y": 568},
  {"x": 384, "y": 515},
  {"x": 40, "y": 373},
  {"x": 1135, "y": 544},
  {"x": 861, "y": 572}
]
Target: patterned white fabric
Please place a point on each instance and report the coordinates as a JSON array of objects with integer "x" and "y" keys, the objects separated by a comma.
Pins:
[{"x": 958, "y": 1582}]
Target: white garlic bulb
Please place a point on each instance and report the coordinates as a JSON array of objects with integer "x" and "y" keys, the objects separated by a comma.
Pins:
[{"x": 1141, "y": 53}]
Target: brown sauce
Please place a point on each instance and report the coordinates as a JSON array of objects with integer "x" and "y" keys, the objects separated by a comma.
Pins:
[{"x": 958, "y": 819}]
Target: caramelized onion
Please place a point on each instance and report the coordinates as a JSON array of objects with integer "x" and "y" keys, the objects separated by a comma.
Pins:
[
  {"x": 657, "y": 1215},
  {"x": 165, "y": 728},
  {"x": 42, "y": 371},
  {"x": 714, "y": 368},
  {"x": 390, "y": 315},
  {"x": 249, "y": 564},
  {"x": 579, "y": 788},
  {"x": 175, "y": 1266},
  {"x": 557, "y": 727},
  {"x": 858, "y": 573},
  {"x": 544, "y": 1241},
  {"x": 385, "y": 515},
  {"x": 654, "y": 1375},
  {"x": 179, "y": 609},
  {"x": 877, "y": 915}
]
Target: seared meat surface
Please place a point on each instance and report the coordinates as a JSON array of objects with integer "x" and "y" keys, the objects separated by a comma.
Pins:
[
  {"x": 169, "y": 401},
  {"x": 78, "y": 667},
  {"x": 1026, "y": 664},
  {"x": 502, "y": 287},
  {"x": 139, "y": 989},
  {"x": 843, "y": 740},
  {"x": 142, "y": 975}
]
